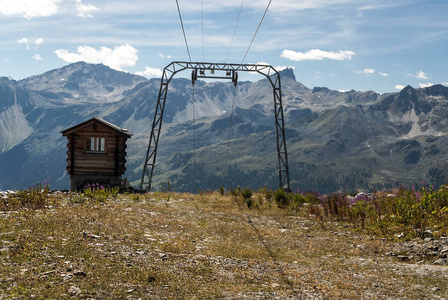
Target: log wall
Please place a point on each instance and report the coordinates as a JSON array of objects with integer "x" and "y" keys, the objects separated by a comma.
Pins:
[{"x": 110, "y": 162}]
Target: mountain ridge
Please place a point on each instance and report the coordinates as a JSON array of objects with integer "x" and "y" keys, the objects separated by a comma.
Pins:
[{"x": 335, "y": 139}]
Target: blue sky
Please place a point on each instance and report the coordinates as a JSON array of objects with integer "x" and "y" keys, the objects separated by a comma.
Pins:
[{"x": 379, "y": 45}]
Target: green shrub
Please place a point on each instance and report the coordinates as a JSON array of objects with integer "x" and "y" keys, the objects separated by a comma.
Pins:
[
  {"x": 281, "y": 198},
  {"x": 297, "y": 201},
  {"x": 246, "y": 193},
  {"x": 312, "y": 197}
]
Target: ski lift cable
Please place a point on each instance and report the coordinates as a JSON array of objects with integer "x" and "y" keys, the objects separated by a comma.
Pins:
[
  {"x": 234, "y": 87},
  {"x": 194, "y": 143},
  {"x": 228, "y": 137},
  {"x": 183, "y": 29},
  {"x": 234, "y": 31},
  {"x": 202, "y": 13},
  {"x": 256, "y": 31}
]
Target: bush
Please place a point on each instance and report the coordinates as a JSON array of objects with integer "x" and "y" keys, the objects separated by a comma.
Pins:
[
  {"x": 246, "y": 193},
  {"x": 297, "y": 201},
  {"x": 281, "y": 198}
]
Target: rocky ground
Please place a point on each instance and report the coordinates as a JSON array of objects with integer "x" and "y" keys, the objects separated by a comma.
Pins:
[{"x": 179, "y": 246}]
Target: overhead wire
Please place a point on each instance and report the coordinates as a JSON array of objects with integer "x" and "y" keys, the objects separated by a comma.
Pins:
[
  {"x": 194, "y": 117},
  {"x": 234, "y": 31},
  {"x": 234, "y": 88},
  {"x": 202, "y": 13},
  {"x": 183, "y": 29},
  {"x": 194, "y": 143},
  {"x": 228, "y": 137},
  {"x": 256, "y": 31},
  {"x": 203, "y": 56}
]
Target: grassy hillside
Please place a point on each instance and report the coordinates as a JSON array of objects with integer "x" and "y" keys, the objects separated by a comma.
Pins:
[{"x": 241, "y": 245}]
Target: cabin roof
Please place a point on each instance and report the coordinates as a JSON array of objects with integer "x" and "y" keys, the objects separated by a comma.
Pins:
[{"x": 119, "y": 130}]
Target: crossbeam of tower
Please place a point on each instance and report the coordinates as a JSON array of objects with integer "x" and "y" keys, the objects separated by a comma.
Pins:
[{"x": 226, "y": 71}]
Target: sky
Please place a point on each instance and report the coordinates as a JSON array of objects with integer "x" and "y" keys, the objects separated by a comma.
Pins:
[{"x": 378, "y": 45}]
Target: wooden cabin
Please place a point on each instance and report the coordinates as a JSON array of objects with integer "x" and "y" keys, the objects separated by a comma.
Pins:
[{"x": 96, "y": 153}]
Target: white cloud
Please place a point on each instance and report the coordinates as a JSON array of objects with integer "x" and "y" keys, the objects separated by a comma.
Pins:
[
  {"x": 421, "y": 75},
  {"x": 424, "y": 85},
  {"x": 365, "y": 71},
  {"x": 29, "y": 8},
  {"x": 281, "y": 68},
  {"x": 164, "y": 56},
  {"x": 23, "y": 41},
  {"x": 399, "y": 87},
  {"x": 37, "y": 57},
  {"x": 85, "y": 10},
  {"x": 316, "y": 54},
  {"x": 151, "y": 72},
  {"x": 383, "y": 74},
  {"x": 117, "y": 58},
  {"x": 277, "y": 68},
  {"x": 37, "y": 42},
  {"x": 445, "y": 83}
]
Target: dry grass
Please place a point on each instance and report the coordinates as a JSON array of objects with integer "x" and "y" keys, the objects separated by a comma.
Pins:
[{"x": 198, "y": 247}]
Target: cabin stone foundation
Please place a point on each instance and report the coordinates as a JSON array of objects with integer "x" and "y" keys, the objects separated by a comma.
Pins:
[{"x": 78, "y": 182}]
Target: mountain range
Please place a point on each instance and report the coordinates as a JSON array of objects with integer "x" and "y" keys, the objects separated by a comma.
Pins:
[{"x": 335, "y": 140}]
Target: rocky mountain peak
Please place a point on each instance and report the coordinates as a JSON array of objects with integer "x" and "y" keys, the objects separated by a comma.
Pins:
[
  {"x": 288, "y": 72},
  {"x": 322, "y": 89},
  {"x": 406, "y": 100},
  {"x": 437, "y": 90},
  {"x": 408, "y": 90},
  {"x": 81, "y": 82}
]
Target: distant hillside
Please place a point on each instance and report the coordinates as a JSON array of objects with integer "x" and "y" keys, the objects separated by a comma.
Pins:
[{"x": 335, "y": 140}]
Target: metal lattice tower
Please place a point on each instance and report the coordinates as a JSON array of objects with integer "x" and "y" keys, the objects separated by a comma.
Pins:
[{"x": 230, "y": 70}]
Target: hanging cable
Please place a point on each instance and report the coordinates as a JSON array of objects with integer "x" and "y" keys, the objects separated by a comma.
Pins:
[
  {"x": 256, "y": 31},
  {"x": 183, "y": 29},
  {"x": 202, "y": 10},
  {"x": 194, "y": 143},
  {"x": 230, "y": 130},
  {"x": 234, "y": 31}
]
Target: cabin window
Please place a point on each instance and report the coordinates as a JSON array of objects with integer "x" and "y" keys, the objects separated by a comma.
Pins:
[{"x": 96, "y": 144}]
